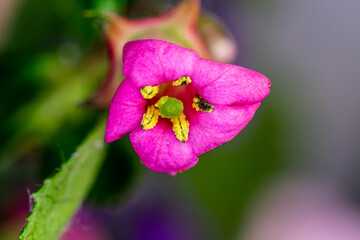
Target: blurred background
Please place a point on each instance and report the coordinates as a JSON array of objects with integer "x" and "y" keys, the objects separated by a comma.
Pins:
[{"x": 291, "y": 174}]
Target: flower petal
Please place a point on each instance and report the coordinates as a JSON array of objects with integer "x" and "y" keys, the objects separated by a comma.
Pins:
[
  {"x": 126, "y": 110},
  {"x": 152, "y": 62},
  {"x": 160, "y": 150},
  {"x": 227, "y": 84},
  {"x": 209, "y": 130},
  {"x": 129, "y": 94}
]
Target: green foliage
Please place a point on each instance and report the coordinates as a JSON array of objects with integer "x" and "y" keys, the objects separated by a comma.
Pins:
[
  {"x": 106, "y": 5},
  {"x": 62, "y": 194},
  {"x": 118, "y": 174},
  {"x": 41, "y": 25},
  {"x": 37, "y": 121}
]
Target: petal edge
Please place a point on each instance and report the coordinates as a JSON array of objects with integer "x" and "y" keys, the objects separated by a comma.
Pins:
[
  {"x": 159, "y": 149},
  {"x": 227, "y": 84},
  {"x": 151, "y": 62},
  {"x": 209, "y": 130}
]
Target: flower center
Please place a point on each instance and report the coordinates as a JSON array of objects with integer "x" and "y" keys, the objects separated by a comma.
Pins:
[{"x": 169, "y": 107}]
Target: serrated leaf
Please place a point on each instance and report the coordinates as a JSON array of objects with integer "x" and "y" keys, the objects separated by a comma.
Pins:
[{"x": 61, "y": 195}]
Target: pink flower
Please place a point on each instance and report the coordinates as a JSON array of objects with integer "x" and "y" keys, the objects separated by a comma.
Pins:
[{"x": 178, "y": 105}]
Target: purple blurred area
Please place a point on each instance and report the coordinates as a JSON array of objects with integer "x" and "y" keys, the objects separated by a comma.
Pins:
[
  {"x": 161, "y": 209},
  {"x": 302, "y": 210}
]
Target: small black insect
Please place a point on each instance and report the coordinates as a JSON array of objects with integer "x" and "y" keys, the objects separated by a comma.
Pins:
[
  {"x": 204, "y": 105},
  {"x": 183, "y": 83}
]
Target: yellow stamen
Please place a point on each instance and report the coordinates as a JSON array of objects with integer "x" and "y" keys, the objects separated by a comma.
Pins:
[
  {"x": 201, "y": 104},
  {"x": 148, "y": 92},
  {"x": 182, "y": 81},
  {"x": 150, "y": 118},
  {"x": 181, "y": 128}
]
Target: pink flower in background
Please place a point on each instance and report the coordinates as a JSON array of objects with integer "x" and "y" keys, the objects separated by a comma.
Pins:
[{"x": 179, "y": 105}]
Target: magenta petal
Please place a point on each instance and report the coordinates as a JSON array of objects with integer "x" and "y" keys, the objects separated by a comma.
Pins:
[
  {"x": 209, "y": 130},
  {"x": 227, "y": 84},
  {"x": 152, "y": 62},
  {"x": 122, "y": 119},
  {"x": 127, "y": 93},
  {"x": 160, "y": 150},
  {"x": 126, "y": 111}
]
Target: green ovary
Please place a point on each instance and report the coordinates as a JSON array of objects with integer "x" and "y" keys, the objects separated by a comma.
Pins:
[{"x": 169, "y": 107}]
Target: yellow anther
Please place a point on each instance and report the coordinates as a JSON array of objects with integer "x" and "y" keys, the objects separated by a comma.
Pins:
[
  {"x": 182, "y": 81},
  {"x": 148, "y": 92},
  {"x": 201, "y": 104},
  {"x": 150, "y": 118},
  {"x": 181, "y": 128}
]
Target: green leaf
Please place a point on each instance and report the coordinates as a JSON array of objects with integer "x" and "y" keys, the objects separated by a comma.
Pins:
[{"x": 62, "y": 194}]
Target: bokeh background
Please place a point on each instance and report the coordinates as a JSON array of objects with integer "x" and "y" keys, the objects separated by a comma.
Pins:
[{"x": 291, "y": 174}]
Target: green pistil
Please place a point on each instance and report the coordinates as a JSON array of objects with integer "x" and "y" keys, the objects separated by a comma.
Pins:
[{"x": 169, "y": 107}]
